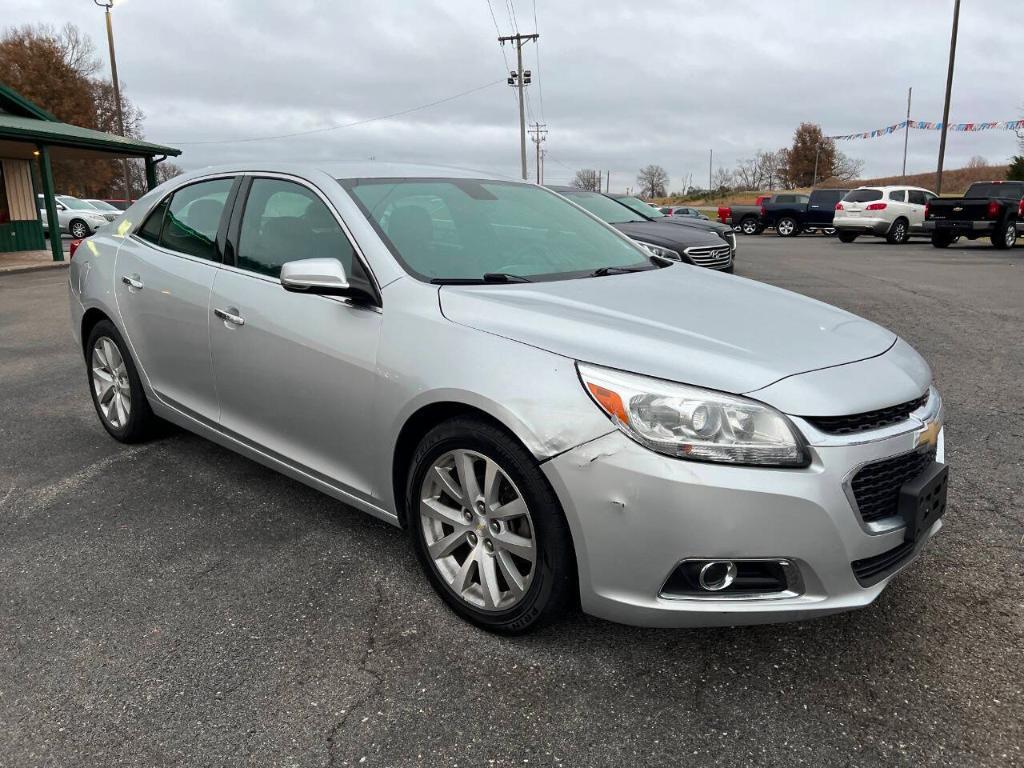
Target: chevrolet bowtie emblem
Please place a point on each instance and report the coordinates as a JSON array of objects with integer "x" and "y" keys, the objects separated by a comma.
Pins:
[{"x": 929, "y": 435}]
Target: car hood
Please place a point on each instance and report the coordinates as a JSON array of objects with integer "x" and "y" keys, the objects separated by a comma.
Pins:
[
  {"x": 701, "y": 224},
  {"x": 668, "y": 235},
  {"x": 681, "y": 323}
]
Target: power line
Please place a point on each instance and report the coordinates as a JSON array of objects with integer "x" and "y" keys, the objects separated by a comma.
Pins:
[
  {"x": 502, "y": 48},
  {"x": 540, "y": 80},
  {"x": 344, "y": 125},
  {"x": 511, "y": 7}
]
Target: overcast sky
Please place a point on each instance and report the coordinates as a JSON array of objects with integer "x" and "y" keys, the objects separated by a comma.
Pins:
[{"x": 619, "y": 84}]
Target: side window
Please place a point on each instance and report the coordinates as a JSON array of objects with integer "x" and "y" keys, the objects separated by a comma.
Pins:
[
  {"x": 898, "y": 195},
  {"x": 285, "y": 221},
  {"x": 193, "y": 217},
  {"x": 917, "y": 197},
  {"x": 150, "y": 229}
]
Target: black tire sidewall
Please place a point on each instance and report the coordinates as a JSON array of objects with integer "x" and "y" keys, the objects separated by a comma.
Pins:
[
  {"x": 891, "y": 237},
  {"x": 140, "y": 417},
  {"x": 999, "y": 239},
  {"x": 71, "y": 228},
  {"x": 552, "y": 587}
]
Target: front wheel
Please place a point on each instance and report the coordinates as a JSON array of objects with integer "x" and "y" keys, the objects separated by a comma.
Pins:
[
  {"x": 847, "y": 237},
  {"x": 78, "y": 229},
  {"x": 1005, "y": 236},
  {"x": 488, "y": 529},
  {"x": 786, "y": 227}
]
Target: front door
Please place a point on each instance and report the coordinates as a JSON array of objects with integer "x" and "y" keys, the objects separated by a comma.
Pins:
[
  {"x": 296, "y": 372},
  {"x": 164, "y": 273}
]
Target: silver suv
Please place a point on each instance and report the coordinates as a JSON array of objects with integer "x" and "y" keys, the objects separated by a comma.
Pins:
[{"x": 555, "y": 415}]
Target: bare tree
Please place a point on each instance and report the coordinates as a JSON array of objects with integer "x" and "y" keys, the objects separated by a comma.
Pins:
[
  {"x": 977, "y": 162},
  {"x": 722, "y": 181},
  {"x": 652, "y": 181},
  {"x": 587, "y": 179},
  {"x": 846, "y": 168}
]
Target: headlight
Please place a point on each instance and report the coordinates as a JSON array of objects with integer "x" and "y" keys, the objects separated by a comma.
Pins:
[
  {"x": 657, "y": 250},
  {"x": 692, "y": 423}
]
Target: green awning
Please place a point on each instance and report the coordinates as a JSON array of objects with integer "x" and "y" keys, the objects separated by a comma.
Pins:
[{"x": 16, "y": 128}]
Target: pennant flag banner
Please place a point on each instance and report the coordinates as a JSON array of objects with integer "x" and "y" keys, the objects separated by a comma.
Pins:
[{"x": 1001, "y": 125}]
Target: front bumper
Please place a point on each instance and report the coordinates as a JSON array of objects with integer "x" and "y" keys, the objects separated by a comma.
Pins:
[{"x": 635, "y": 515}]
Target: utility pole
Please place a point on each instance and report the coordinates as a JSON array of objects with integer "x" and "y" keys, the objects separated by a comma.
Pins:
[
  {"x": 711, "y": 157},
  {"x": 607, "y": 181},
  {"x": 107, "y": 5},
  {"x": 949, "y": 91},
  {"x": 543, "y": 154},
  {"x": 817, "y": 154},
  {"x": 906, "y": 134},
  {"x": 539, "y": 133},
  {"x": 519, "y": 79}
]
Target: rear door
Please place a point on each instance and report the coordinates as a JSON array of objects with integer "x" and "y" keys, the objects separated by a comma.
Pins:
[
  {"x": 296, "y": 372},
  {"x": 164, "y": 274},
  {"x": 821, "y": 207}
]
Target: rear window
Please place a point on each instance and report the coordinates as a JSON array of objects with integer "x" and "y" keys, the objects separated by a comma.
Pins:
[
  {"x": 1002, "y": 191},
  {"x": 863, "y": 196}
]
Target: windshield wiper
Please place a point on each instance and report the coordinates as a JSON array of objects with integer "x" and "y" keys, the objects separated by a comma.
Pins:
[
  {"x": 657, "y": 261},
  {"x": 487, "y": 277}
]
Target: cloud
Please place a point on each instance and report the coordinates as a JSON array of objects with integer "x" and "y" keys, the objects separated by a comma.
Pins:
[{"x": 623, "y": 85}]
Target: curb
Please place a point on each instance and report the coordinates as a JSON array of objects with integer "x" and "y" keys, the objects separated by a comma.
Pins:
[{"x": 34, "y": 267}]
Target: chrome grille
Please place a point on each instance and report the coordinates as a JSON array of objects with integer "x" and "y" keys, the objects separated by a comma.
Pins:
[{"x": 710, "y": 255}]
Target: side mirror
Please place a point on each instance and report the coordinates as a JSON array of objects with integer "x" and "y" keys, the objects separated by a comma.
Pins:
[{"x": 321, "y": 276}]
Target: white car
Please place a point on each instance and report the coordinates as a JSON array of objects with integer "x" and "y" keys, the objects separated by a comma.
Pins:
[
  {"x": 76, "y": 217},
  {"x": 894, "y": 213}
]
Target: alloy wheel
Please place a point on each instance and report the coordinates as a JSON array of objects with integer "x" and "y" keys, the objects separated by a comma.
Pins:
[
  {"x": 749, "y": 227},
  {"x": 899, "y": 232},
  {"x": 478, "y": 530},
  {"x": 110, "y": 382},
  {"x": 1011, "y": 235},
  {"x": 785, "y": 227},
  {"x": 79, "y": 230}
]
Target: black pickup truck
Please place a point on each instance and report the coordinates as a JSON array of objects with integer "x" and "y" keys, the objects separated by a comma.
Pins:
[
  {"x": 806, "y": 213},
  {"x": 990, "y": 208}
]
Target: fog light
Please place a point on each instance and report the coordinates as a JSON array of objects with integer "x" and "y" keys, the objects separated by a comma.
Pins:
[{"x": 717, "y": 575}]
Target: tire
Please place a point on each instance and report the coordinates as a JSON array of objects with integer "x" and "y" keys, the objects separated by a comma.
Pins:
[
  {"x": 78, "y": 229},
  {"x": 941, "y": 240},
  {"x": 133, "y": 421},
  {"x": 786, "y": 227},
  {"x": 829, "y": 231},
  {"x": 847, "y": 237},
  {"x": 750, "y": 226},
  {"x": 899, "y": 232},
  {"x": 1005, "y": 237},
  {"x": 547, "y": 586}
]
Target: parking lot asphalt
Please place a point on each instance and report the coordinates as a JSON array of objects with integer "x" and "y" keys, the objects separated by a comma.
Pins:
[{"x": 176, "y": 604}]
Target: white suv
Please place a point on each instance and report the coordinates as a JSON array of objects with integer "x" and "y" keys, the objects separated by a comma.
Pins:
[{"x": 894, "y": 213}]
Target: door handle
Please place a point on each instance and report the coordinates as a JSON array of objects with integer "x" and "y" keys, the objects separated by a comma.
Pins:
[
  {"x": 132, "y": 281},
  {"x": 229, "y": 317}
]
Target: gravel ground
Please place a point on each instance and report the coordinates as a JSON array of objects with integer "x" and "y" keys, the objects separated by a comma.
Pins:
[{"x": 176, "y": 604}]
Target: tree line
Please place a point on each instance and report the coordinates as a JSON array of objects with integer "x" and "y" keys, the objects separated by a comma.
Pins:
[
  {"x": 812, "y": 158},
  {"x": 58, "y": 69}
]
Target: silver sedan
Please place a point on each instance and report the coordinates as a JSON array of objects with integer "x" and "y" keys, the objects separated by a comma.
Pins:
[{"x": 556, "y": 416}]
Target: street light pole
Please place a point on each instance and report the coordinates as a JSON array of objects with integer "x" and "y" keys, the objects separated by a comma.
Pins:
[
  {"x": 949, "y": 91},
  {"x": 107, "y": 5}
]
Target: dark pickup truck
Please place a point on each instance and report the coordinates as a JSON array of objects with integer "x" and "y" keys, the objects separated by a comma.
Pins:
[
  {"x": 809, "y": 212},
  {"x": 993, "y": 209}
]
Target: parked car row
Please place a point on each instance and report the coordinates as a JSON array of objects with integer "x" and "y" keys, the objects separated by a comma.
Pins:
[
  {"x": 79, "y": 217},
  {"x": 993, "y": 209},
  {"x": 554, "y": 415}
]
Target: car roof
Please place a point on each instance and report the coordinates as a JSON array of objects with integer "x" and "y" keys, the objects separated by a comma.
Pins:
[
  {"x": 356, "y": 170},
  {"x": 893, "y": 186}
]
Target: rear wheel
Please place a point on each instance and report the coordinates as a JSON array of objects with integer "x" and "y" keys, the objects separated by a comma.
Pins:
[
  {"x": 750, "y": 226},
  {"x": 117, "y": 392},
  {"x": 847, "y": 237},
  {"x": 488, "y": 529},
  {"x": 1005, "y": 236},
  {"x": 941, "y": 239},
  {"x": 786, "y": 227},
  {"x": 899, "y": 232}
]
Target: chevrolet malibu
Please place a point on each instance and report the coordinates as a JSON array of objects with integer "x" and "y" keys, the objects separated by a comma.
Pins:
[{"x": 554, "y": 415}]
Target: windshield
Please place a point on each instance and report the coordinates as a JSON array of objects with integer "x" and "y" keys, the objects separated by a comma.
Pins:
[
  {"x": 455, "y": 229},
  {"x": 99, "y": 205},
  {"x": 604, "y": 208},
  {"x": 1001, "y": 191},
  {"x": 75, "y": 204},
  {"x": 638, "y": 205}
]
